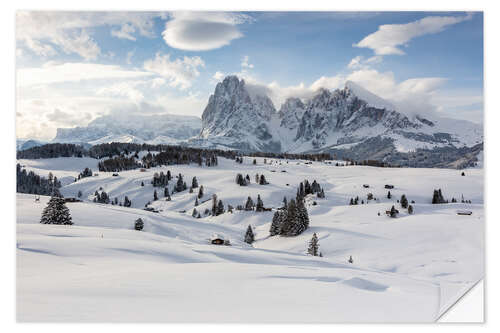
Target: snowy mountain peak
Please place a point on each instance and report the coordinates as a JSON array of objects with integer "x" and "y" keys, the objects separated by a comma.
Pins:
[{"x": 367, "y": 96}]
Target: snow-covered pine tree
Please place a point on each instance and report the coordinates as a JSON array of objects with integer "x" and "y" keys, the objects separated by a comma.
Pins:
[
  {"x": 249, "y": 236},
  {"x": 139, "y": 224},
  {"x": 214, "y": 204},
  {"x": 195, "y": 212},
  {"x": 276, "y": 223},
  {"x": 313, "y": 248},
  {"x": 249, "y": 204},
  {"x": 56, "y": 212},
  {"x": 196, "y": 203},
  {"x": 389, "y": 195},
  {"x": 200, "y": 192},
  {"x": 220, "y": 208},
  {"x": 155, "y": 196},
  {"x": 194, "y": 183},
  {"x": 404, "y": 201},
  {"x": 260, "y": 205}
]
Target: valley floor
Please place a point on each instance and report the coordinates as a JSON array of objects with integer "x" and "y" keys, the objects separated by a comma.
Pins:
[{"x": 407, "y": 269}]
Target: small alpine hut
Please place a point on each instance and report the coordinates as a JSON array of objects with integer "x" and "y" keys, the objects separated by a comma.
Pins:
[{"x": 217, "y": 239}]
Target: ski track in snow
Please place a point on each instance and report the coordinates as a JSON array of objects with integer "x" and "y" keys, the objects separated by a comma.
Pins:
[{"x": 411, "y": 268}]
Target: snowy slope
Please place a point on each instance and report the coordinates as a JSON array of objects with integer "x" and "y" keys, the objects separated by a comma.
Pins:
[{"x": 407, "y": 269}]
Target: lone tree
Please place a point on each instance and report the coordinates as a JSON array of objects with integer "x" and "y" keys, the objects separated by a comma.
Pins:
[
  {"x": 249, "y": 204},
  {"x": 260, "y": 205},
  {"x": 404, "y": 201},
  {"x": 393, "y": 212},
  {"x": 410, "y": 209},
  {"x": 313, "y": 248},
  {"x": 139, "y": 224},
  {"x": 56, "y": 212},
  {"x": 194, "y": 183},
  {"x": 389, "y": 195},
  {"x": 249, "y": 236},
  {"x": 200, "y": 192}
]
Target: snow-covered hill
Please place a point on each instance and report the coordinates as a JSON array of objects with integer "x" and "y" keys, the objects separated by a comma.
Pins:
[
  {"x": 135, "y": 128},
  {"x": 411, "y": 268}
]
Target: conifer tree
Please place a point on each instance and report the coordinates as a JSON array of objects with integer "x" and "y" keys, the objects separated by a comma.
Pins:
[
  {"x": 194, "y": 183},
  {"x": 56, "y": 212},
  {"x": 200, "y": 192},
  {"x": 196, "y": 203},
  {"x": 249, "y": 204},
  {"x": 214, "y": 204},
  {"x": 276, "y": 223},
  {"x": 220, "y": 208},
  {"x": 404, "y": 201},
  {"x": 410, "y": 209},
  {"x": 313, "y": 248},
  {"x": 139, "y": 224},
  {"x": 155, "y": 196},
  {"x": 260, "y": 205},
  {"x": 195, "y": 212},
  {"x": 249, "y": 236},
  {"x": 389, "y": 195}
]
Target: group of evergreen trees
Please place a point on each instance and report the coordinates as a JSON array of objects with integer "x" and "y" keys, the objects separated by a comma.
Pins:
[
  {"x": 118, "y": 163},
  {"x": 242, "y": 181},
  {"x": 30, "y": 182},
  {"x": 85, "y": 173},
  {"x": 437, "y": 197},
  {"x": 161, "y": 179},
  {"x": 217, "y": 206},
  {"x": 306, "y": 188},
  {"x": 291, "y": 220}
]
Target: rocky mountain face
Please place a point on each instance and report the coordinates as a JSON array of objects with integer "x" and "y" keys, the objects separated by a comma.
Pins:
[
  {"x": 333, "y": 121},
  {"x": 134, "y": 128},
  {"x": 238, "y": 120}
]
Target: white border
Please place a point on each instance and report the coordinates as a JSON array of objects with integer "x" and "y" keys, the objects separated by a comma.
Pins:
[{"x": 492, "y": 110}]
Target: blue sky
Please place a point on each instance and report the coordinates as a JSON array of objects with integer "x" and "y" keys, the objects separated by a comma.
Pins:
[{"x": 73, "y": 67}]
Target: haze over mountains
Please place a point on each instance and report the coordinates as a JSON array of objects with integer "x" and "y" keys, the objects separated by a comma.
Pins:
[{"x": 349, "y": 122}]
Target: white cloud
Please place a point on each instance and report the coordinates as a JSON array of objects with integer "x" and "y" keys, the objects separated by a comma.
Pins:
[
  {"x": 157, "y": 82},
  {"x": 179, "y": 72},
  {"x": 73, "y": 72},
  {"x": 125, "y": 32},
  {"x": 124, "y": 89},
  {"x": 43, "y": 32},
  {"x": 245, "y": 63},
  {"x": 390, "y": 37},
  {"x": 218, "y": 76},
  {"x": 201, "y": 31}
]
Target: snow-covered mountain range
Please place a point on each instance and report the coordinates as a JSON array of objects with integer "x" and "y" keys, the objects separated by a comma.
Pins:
[
  {"x": 330, "y": 119},
  {"x": 350, "y": 122},
  {"x": 134, "y": 128}
]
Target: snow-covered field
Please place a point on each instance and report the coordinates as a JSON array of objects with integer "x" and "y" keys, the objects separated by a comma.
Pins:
[{"x": 409, "y": 269}]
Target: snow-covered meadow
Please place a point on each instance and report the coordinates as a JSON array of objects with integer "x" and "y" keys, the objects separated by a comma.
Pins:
[{"x": 411, "y": 268}]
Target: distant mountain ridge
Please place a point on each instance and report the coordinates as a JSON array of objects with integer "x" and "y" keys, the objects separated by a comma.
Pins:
[{"x": 133, "y": 128}]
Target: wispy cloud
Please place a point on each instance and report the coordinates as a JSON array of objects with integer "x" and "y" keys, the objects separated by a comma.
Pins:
[{"x": 389, "y": 38}]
